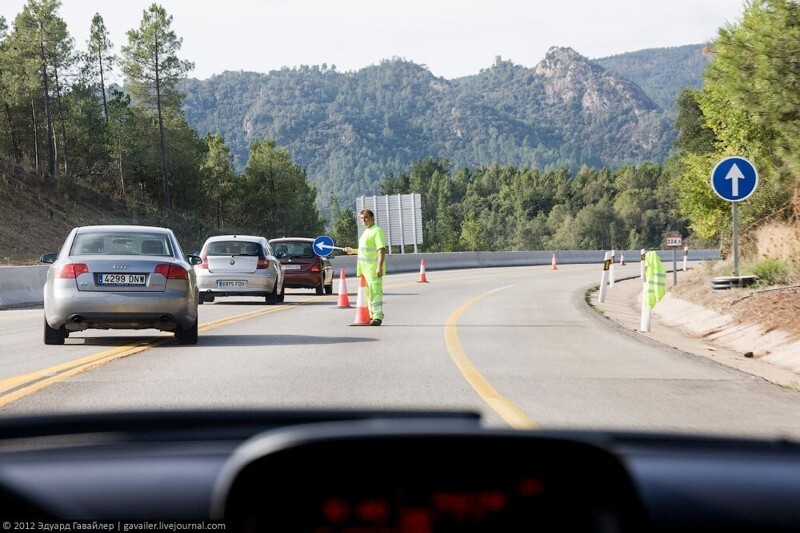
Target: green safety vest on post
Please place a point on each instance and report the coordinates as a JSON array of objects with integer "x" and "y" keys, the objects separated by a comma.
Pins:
[{"x": 655, "y": 280}]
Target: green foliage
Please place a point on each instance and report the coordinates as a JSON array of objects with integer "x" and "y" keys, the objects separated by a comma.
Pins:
[
  {"x": 350, "y": 130},
  {"x": 662, "y": 73},
  {"x": 274, "y": 195},
  {"x": 773, "y": 272},
  {"x": 749, "y": 107},
  {"x": 512, "y": 208}
]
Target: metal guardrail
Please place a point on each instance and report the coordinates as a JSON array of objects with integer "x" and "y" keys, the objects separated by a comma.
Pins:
[{"x": 21, "y": 286}]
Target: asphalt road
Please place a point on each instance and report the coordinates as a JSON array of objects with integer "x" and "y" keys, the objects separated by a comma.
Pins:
[{"x": 520, "y": 345}]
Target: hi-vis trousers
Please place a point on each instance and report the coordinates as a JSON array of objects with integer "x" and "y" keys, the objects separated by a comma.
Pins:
[{"x": 374, "y": 294}]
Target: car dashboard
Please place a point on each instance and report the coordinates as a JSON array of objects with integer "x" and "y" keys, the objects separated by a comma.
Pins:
[{"x": 403, "y": 471}]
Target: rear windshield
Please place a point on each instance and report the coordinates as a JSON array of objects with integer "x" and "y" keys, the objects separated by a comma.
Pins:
[
  {"x": 293, "y": 249},
  {"x": 234, "y": 248},
  {"x": 121, "y": 244}
]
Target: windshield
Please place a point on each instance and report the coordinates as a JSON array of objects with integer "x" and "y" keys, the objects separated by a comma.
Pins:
[
  {"x": 489, "y": 179},
  {"x": 121, "y": 244}
]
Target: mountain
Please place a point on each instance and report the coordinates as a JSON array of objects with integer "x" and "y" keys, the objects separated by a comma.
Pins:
[
  {"x": 349, "y": 129},
  {"x": 662, "y": 73}
]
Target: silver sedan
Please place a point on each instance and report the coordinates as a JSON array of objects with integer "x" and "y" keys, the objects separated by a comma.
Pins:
[{"x": 120, "y": 277}]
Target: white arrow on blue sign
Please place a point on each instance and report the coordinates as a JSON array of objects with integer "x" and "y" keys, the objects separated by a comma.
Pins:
[
  {"x": 323, "y": 246},
  {"x": 734, "y": 179}
]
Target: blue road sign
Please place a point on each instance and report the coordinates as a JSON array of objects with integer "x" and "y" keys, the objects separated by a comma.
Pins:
[
  {"x": 323, "y": 246},
  {"x": 734, "y": 179}
]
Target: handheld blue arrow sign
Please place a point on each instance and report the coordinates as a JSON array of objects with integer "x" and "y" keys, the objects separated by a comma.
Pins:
[
  {"x": 323, "y": 246},
  {"x": 734, "y": 179}
]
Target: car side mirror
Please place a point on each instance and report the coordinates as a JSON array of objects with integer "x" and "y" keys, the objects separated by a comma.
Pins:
[
  {"x": 48, "y": 258},
  {"x": 194, "y": 259}
]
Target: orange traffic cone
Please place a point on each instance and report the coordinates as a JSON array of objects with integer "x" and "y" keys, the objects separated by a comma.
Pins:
[
  {"x": 422, "y": 277},
  {"x": 362, "y": 311},
  {"x": 554, "y": 265},
  {"x": 344, "y": 301}
]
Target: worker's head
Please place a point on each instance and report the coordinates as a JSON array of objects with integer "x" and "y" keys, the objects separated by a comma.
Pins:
[{"x": 367, "y": 217}]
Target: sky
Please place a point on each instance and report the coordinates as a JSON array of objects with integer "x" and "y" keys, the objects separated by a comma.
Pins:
[{"x": 453, "y": 38}]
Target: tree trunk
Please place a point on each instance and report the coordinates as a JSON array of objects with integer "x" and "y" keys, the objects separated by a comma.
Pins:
[
  {"x": 62, "y": 121},
  {"x": 51, "y": 149},
  {"x": 103, "y": 87},
  {"x": 161, "y": 139},
  {"x": 35, "y": 135},
  {"x": 12, "y": 132}
]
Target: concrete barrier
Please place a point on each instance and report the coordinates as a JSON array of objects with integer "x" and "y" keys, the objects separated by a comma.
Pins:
[{"x": 22, "y": 286}]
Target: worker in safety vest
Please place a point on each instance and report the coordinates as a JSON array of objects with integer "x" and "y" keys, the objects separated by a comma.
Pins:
[{"x": 371, "y": 264}]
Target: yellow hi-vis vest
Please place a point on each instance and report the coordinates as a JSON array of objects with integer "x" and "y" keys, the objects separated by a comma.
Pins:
[
  {"x": 370, "y": 242},
  {"x": 655, "y": 279}
]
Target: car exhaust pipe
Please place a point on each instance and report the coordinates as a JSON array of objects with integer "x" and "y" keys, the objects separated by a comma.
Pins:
[{"x": 77, "y": 319}]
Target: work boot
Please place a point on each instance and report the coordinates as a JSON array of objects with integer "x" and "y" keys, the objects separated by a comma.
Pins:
[{"x": 375, "y": 322}]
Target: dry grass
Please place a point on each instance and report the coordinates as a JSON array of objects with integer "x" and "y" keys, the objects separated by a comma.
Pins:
[
  {"x": 775, "y": 307},
  {"x": 37, "y": 213}
]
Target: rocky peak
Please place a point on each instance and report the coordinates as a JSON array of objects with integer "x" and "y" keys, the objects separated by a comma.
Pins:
[{"x": 567, "y": 77}]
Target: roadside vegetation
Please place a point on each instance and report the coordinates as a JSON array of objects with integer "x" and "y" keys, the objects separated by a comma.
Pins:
[{"x": 75, "y": 150}]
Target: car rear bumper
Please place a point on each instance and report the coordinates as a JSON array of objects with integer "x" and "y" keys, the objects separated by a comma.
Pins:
[
  {"x": 301, "y": 280},
  {"x": 257, "y": 285},
  {"x": 80, "y": 310}
]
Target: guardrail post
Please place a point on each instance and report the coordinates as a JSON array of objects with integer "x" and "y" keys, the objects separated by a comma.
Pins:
[
  {"x": 604, "y": 277},
  {"x": 641, "y": 262},
  {"x": 685, "y": 257},
  {"x": 611, "y": 269}
]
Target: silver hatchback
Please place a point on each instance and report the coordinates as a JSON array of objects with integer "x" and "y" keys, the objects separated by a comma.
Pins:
[
  {"x": 239, "y": 265},
  {"x": 120, "y": 277}
]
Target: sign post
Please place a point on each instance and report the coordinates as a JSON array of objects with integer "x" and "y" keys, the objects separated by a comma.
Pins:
[
  {"x": 734, "y": 179},
  {"x": 674, "y": 242}
]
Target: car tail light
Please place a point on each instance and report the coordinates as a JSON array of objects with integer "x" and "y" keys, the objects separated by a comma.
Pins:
[
  {"x": 315, "y": 267},
  {"x": 172, "y": 271},
  {"x": 263, "y": 263},
  {"x": 72, "y": 270},
  {"x": 204, "y": 264}
]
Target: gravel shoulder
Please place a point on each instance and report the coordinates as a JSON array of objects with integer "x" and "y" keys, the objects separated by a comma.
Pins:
[{"x": 755, "y": 331}]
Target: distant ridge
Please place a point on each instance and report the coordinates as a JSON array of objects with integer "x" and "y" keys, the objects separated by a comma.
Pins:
[{"x": 348, "y": 130}]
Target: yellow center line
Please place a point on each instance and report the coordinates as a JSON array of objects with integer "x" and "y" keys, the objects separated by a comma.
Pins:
[
  {"x": 14, "y": 388},
  {"x": 509, "y": 412}
]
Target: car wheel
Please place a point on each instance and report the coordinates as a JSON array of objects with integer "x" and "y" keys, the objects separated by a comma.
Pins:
[
  {"x": 272, "y": 298},
  {"x": 321, "y": 287},
  {"x": 329, "y": 288},
  {"x": 282, "y": 295},
  {"x": 53, "y": 335},
  {"x": 187, "y": 335}
]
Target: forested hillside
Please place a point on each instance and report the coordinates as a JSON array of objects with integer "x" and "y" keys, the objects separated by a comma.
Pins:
[
  {"x": 349, "y": 130},
  {"x": 662, "y": 73}
]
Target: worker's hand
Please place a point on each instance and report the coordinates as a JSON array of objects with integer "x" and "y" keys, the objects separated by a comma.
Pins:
[{"x": 348, "y": 250}]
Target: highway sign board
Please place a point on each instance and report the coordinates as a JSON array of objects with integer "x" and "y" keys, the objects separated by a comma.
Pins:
[{"x": 734, "y": 179}]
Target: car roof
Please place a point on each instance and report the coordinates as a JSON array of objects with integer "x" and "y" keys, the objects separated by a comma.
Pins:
[
  {"x": 218, "y": 238},
  {"x": 122, "y": 228},
  {"x": 291, "y": 239}
]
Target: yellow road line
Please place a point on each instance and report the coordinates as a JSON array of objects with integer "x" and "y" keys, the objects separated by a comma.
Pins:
[
  {"x": 509, "y": 412},
  {"x": 14, "y": 388}
]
